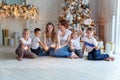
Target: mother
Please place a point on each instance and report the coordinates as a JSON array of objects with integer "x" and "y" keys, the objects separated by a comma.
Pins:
[{"x": 62, "y": 49}]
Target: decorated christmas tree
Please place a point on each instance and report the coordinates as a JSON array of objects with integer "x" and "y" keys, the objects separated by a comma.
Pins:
[{"x": 77, "y": 13}]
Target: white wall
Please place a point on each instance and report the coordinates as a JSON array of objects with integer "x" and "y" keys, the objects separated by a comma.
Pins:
[
  {"x": 49, "y": 12},
  {"x": 14, "y": 25}
]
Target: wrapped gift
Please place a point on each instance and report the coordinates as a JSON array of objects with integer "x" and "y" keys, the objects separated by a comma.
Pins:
[{"x": 109, "y": 48}]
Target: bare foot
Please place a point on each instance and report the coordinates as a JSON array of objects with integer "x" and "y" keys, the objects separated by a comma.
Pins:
[
  {"x": 112, "y": 58},
  {"x": 19, "y": 59},
  {"x": 108, "y": 59},
  {"x": 73, "y": 56},
  {"x": 36, "y": 56}
]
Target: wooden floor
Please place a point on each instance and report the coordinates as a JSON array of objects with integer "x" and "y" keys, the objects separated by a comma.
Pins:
[{"x": 49, "y": 68}]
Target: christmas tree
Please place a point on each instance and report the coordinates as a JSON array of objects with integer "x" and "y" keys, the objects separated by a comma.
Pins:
[{"x": 77, "y": 13}]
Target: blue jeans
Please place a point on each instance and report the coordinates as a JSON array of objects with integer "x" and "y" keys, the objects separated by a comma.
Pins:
[
  {"x": 50, "y": 50},
  {"x": 96, "y": 55},
  {"x": 62, "y": 52},
  {"x": 78, "y": 52},
  {"x": 39, "y": 51}
]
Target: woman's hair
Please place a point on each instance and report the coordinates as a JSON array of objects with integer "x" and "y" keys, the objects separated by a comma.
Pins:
[
  {"x": 64, "y": 23},
  {"x": 53, "y": 35},
  {"x": 26, "y": 30}
]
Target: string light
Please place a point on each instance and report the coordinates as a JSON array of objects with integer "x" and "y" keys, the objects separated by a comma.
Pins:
[{"x": 18, "y": 11}]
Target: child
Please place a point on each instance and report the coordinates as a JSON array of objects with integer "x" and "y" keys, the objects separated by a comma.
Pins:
[
  {"x": 75, "y": 44},
  {"x": 50, "y": 37},
  {"x": 23, "y": 50},
  {"x": 91, "y": 45},
  {"x": 37, "y": 46}
]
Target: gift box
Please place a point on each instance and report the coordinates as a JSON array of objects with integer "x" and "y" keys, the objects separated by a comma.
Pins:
[{"x": 109, "y": 48}]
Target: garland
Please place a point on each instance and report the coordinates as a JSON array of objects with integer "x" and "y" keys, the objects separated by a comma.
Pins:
[{"x": 18, "y": 11}]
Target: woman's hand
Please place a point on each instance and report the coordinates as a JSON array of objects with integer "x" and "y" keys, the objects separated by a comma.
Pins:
[{"x": 72, "y": 47}]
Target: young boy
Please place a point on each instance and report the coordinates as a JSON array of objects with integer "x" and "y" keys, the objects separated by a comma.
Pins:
[
  {"x": 37, "y": 46},
  {"x": 75, "y": 44},
  {"x": 23, "y": 50},
  {"x": 91, "y": 45}
]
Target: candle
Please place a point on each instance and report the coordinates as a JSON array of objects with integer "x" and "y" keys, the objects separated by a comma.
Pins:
[{"x": 11, "y": 42}]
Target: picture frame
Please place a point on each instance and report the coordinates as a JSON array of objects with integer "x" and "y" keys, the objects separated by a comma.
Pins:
[{"x": 10, "y": 2}]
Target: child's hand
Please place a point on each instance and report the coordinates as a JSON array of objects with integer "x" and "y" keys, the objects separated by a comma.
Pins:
[
  {"x": 57, "y": 47},
  {"x": 96, "y": 47},
  {"x": 53, "y": 45},
  {"x": 25, "y": 48},
  {"x": 46, "y": 48}
]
